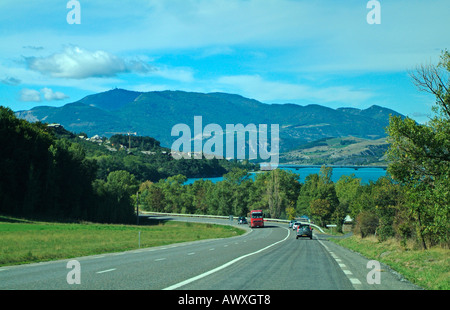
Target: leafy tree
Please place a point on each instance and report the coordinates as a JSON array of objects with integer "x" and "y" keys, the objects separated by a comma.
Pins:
[
  {"x": 321, "y": 210},
  {"x": 420, "y": 156},
  {"x": 114, "y": 203},
  {"x": 319, "y": 194}
]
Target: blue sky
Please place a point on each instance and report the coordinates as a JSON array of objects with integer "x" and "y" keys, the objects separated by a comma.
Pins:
[{"x": 276, "y": 51}]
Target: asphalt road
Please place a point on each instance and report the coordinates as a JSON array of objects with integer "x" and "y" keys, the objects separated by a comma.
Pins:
[{"x": 269, "y": 258}]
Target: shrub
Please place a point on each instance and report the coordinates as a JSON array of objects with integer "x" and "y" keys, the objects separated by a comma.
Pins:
[{"x": 366, "y": 223}]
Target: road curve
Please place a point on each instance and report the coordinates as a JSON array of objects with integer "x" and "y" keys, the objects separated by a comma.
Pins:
[{"x": 269, "y": 258}]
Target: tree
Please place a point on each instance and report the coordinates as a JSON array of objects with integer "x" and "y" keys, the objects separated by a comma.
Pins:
[
  {"x": 420, "y": 156},
  {"x": 318, "y": 197},
  {"x": 274, "y": 192},
  {"x": 114, "y": 202},
  {"x": 321, "y": 210}
]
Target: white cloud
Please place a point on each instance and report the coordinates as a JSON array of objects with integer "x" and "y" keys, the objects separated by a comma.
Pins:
[
  {"x": 30, "y": 95},
  {"x": 78, "y": 63},
  {"x": 50, "y": 95},
  {"x": 177, "y": 74}
]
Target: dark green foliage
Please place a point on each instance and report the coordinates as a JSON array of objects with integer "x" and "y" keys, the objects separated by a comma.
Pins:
[
  {"x": 42, "y": 176},
  {"x": 367, "y": 223}
]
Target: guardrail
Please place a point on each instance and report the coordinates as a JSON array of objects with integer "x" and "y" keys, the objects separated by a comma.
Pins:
[{"x": 216, "y": 216}]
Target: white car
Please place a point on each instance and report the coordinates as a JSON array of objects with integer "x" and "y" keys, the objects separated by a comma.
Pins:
[{"x": 295, "y": 225}]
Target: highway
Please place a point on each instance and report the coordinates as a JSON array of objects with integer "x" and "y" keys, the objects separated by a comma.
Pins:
[{"x": 269, "y": 258}]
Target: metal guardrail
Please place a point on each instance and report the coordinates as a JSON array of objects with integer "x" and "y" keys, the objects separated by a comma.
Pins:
[{"x": 218, "y": 217}]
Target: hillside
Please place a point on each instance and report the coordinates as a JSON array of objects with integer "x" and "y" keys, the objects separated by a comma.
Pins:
[
  {"x": 155, "y": 113},
  {"x": 146, "y": 159},
  {"x": 339, "y": 151}
]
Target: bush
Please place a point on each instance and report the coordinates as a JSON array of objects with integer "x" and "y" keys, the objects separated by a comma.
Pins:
[{"x": 366, "y": 223}]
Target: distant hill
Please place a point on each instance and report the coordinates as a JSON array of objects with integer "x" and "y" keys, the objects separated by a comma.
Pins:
[
  {"x": 339, "y": 151},
  {"x": 154, "y": 114}
]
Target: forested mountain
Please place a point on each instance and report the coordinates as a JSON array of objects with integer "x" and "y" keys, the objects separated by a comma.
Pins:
[{"x": 155, "y": 113}]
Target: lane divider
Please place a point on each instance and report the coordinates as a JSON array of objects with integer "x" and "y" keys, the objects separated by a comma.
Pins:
[
  {"x": 106, "y": 270},
  {"x": 205, "y": 274}
]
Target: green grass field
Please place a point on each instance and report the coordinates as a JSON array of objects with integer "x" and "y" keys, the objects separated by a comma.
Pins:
[
  {"x": 23, "y": 241},
  {"x": 429, "y": 269}
]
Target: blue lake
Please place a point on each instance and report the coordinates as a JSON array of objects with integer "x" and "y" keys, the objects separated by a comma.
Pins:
[{"x": 366, "y": 174}]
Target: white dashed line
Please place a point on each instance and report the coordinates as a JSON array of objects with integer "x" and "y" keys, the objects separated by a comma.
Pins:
[
  {"x": 106, "y": 270},
  {"x": 354, "y": 281},
  {"x": 343, "y": 267}
]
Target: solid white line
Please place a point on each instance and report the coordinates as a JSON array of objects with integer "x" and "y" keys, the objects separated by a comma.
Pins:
[
  {"x": 183, "y": 283},
  {"x": 106, "y": 270},
  {"x": 159, "y": 259}
]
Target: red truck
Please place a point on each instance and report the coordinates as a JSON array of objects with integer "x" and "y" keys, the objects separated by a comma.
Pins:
[{"x": 256, "y": 218}]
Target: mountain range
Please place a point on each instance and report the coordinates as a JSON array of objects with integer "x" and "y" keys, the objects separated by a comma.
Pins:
[{"x": 155, "y": 113}]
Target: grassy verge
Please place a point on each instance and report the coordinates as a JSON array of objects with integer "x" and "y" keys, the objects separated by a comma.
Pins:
[
  {"x": 28, "y": 242},
  {"x": 429, "y": 269}
]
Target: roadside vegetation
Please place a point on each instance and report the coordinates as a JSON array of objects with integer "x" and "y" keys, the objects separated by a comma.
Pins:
[
  {"x": 25, "y": 241},
  {"x": 428, "y": 269}
]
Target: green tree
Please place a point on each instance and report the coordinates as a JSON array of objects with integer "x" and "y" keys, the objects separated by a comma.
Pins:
[
  {"x": 115, "y": 203},
  {"x": 420, "y": 156}
]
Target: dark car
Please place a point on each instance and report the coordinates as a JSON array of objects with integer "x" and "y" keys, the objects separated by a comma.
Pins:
[
  {"x": 242, "y": 220},
  {"x": 304, "y": 230}
]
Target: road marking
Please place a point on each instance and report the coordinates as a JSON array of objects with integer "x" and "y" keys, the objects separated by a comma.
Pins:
[
  {"x": 343, "y": 267},
  {"x": 212, "y": 249},
  {"x": 106, "y": 270},
  {"x": 159, "y": 259},
  {"x": 191, "y": 253},
  {"x": 205, "y": 274},
  {"x": 354, "y": 281}
]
